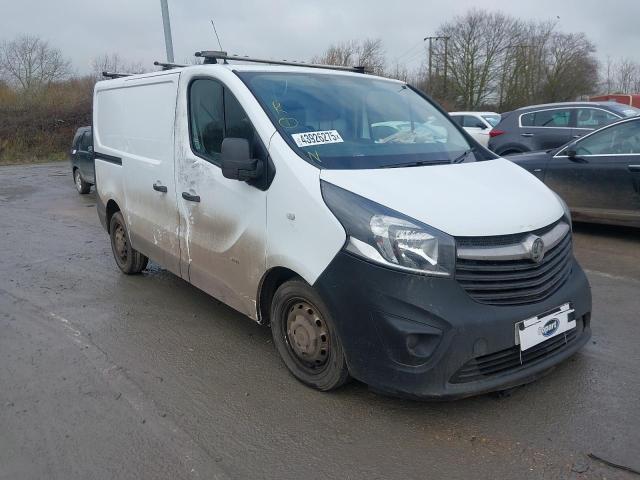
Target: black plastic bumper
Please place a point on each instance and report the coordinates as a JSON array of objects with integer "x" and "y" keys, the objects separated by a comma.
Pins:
[{"x": 408, "y": 334}]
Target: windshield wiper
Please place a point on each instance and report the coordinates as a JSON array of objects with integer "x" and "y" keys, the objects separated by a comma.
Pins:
[
  {"x": 462, "y": 157},
  {"x": 420, "y": 163}
]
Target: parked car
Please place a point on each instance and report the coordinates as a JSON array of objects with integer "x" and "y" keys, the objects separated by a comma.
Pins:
[
  {"x": 422, "y": 266},
  {"x": 541, "y": 127},
  {"x": 81, "y": 157},
  {"x": 477, "y": 124},
  {"x": 598, "y": 175}
]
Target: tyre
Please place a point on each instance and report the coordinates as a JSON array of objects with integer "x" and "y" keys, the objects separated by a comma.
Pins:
[
  {"x": 306, "y": 338},
  {"x": 82, "y": 186},
  {"x": 129, "y": 260}
]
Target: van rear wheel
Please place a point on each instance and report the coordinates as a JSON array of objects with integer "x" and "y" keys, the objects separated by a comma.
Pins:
[
  {"x": 128, "y": 259},
  {"x": 306, "y": 338}
]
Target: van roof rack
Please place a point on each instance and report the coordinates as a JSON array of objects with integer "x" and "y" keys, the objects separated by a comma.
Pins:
[
  {"x": 212, "y": 56},
  {"x": 115, "y": 74},
  {"x": 167, "y": 66}
]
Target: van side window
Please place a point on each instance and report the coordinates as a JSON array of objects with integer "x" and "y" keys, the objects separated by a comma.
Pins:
[{"x": 206, "y": 112}]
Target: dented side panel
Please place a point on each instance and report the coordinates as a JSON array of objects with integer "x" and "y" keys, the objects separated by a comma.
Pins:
[{"x": 222, "y": 236}]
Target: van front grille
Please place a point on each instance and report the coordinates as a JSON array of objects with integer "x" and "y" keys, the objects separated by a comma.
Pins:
[{"x": 515, "y": 282}]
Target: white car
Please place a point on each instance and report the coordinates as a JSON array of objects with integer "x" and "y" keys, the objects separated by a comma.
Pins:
[
  {"x": 477, "y": 124},
  {"x": 409, "y": 258}
]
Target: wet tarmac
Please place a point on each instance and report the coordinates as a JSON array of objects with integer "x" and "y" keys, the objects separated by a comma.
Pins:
[{"x": 108, "y": 376}]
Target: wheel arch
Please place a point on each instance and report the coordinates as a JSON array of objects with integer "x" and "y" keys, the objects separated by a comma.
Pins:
[
  {"x": 271, "y": 281},
  {"x": 111, "y": 208}
]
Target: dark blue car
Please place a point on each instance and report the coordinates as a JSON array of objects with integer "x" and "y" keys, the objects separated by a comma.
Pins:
[
  {"x": 82, "y": 163},
  {"x": 598, "y": 175}
]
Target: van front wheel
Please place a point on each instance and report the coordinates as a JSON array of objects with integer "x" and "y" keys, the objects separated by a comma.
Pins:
[
  {"x": 128, "y": 259},
  {"x": 306, "y": 338}
]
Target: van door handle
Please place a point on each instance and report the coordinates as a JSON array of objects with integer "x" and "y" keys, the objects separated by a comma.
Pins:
[
  {"x": 634, "y": 168},
  {"x": 526, "y": 134},
  {"x": 191, "y": 198},
  {"x": 159, "y": 188}
]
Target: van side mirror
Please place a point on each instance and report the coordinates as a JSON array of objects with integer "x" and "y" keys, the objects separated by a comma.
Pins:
[{"x": 236, "y": 161}]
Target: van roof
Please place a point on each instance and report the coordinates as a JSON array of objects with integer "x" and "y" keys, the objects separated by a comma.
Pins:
[{"x": 240, "y": 67}]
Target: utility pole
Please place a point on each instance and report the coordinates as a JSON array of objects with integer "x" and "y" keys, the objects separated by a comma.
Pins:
[
  {"x": 168, "y": 42},
  {"x": 446, "y": 42},
  {"x": 446, "y": 61}
]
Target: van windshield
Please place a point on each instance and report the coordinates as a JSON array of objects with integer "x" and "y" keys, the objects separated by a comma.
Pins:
[{"x": 349, "y": 122}]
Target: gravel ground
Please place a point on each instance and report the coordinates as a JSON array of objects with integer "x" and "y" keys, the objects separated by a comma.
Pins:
[{"x": 108, "y": 376}]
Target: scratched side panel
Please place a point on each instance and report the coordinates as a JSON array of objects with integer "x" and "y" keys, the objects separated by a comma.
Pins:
[{"x": 223, "y": 237}]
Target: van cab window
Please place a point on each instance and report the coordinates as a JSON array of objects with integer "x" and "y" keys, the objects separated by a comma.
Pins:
[
  {"x": 215, "y": 114},
  {"x": 206, "y": 111},
  {"x": 352, "y": 121}
]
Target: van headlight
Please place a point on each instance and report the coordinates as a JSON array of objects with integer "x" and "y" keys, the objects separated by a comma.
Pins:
[{"x": 390, "y": 238}]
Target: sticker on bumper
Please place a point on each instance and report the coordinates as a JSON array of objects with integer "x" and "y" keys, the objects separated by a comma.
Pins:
[{"x": 309, "y": 139}]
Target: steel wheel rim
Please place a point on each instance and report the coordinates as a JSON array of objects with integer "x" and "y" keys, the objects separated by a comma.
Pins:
[
  {"x": 120, "y": 243},
  {"x": 307, "y": 335},
  {"x": 78, "y": 180}
]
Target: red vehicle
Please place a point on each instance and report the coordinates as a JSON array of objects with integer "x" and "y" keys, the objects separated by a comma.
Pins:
[{"x": 633, "y": 100}]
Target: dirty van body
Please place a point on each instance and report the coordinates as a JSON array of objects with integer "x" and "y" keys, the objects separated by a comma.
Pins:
[{"x": 348, "y": 212}]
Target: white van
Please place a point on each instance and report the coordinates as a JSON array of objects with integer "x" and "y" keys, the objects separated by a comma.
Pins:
[{"x": 349, "y": 213}]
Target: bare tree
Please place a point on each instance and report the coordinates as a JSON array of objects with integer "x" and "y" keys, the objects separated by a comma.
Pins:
[
  {"x": 476, "y": 45},
  {"x": 497, "y": 61},
  {"x": 570, "y": 68},
  {"x": 29, "y": 62},
  {"x": 368, "y": 53}
]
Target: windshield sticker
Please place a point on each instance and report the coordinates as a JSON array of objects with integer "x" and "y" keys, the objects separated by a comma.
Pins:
[{"x": 309, "y": 139}]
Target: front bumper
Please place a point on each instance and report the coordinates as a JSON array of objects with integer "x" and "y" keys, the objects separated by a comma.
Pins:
[{"x": 408, "y": 334}]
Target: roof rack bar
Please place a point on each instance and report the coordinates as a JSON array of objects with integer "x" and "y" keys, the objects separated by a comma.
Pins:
[
  {"x": 115, "y": 74},
  {"x": 167, "y": 66},
  {"x": 217, "y": 55}
]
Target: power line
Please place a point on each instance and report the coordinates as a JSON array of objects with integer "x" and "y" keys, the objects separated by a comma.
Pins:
[{"x": 411, "y": 49}]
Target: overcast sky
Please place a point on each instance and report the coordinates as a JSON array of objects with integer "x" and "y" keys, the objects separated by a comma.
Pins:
[{"x": 291, "y": 29}]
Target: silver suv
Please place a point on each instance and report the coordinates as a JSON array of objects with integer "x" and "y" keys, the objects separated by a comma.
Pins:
[{"x": 542, "y": 127}]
